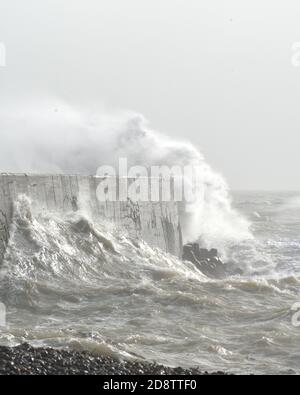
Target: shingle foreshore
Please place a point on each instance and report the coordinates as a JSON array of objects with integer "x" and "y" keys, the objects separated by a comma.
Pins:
[{"x": 27, "y": 360}]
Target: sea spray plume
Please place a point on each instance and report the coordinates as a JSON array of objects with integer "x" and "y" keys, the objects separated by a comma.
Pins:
[
  {"x": 211, "y": 216},
  {"x": 54, "y": 137}
]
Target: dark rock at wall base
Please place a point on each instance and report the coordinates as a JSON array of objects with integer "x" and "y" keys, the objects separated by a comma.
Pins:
[{"x": 207, "y": 261}]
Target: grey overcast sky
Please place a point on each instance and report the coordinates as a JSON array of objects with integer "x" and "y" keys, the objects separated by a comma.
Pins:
[{"x": 217, "y": 72}]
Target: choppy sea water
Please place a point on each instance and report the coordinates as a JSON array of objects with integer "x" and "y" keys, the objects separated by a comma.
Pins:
[{"x": 67, "y": 282}]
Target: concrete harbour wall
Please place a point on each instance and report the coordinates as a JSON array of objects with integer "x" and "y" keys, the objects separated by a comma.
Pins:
[{"x": 156, "y": 222}]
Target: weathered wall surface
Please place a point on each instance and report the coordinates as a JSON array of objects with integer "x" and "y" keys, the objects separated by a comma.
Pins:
[{"x": 157, "y": 223}]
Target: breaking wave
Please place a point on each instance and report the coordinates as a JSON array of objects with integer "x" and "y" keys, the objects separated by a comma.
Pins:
[
  {"x": 69, "y": 282},
  {"x": 53, "y": 137}
]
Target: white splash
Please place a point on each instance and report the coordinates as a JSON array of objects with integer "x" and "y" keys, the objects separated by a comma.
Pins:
[{"x": 54, "y": 137}]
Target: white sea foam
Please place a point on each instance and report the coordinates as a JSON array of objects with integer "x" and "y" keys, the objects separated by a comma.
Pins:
[{"x": 69, "y": 282}]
